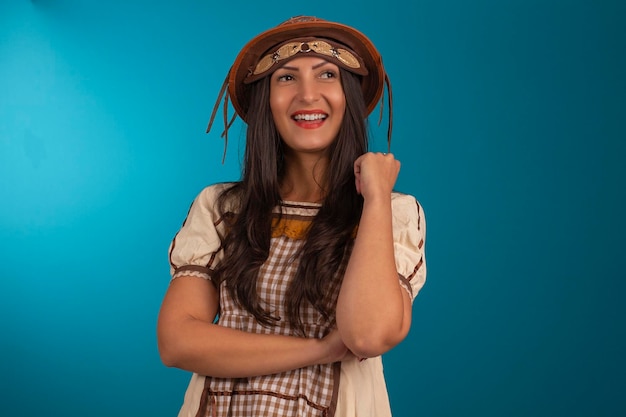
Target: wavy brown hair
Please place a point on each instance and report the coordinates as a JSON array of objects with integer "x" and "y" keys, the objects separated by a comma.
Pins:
[{"x": 330, "y": 236}]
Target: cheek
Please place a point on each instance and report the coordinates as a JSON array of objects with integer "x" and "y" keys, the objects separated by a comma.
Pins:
[
  {"x": 279, "y": 106},
  {"x": 339, "y": 102},
  {"x": 275, "y": 98},
  {"x": 276, "y": 108},
  {"x": 273, "y": 103}
]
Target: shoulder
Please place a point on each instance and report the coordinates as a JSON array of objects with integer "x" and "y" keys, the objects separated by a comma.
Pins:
[
  {"x": 402, "y": 203},
  {"x": 209, "y": 206},
  {"x": 398, "y": 198},
  {"x": 213, "y": 191},
  {"x": 210, "y": 195}
]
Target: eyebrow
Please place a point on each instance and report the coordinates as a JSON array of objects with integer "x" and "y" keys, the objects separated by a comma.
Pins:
[{"x": 316, "y": 66}]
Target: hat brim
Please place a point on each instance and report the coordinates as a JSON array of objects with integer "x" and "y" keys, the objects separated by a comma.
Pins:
[{"x": 372, "y": 85}]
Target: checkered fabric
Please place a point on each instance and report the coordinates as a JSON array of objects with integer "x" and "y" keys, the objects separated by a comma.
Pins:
[
  {"x": 305, "y": 392},
  {"x": 314, "y": 391}
]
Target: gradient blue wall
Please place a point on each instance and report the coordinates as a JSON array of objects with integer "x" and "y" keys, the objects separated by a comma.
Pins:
[{"x": 510, "y": 123}]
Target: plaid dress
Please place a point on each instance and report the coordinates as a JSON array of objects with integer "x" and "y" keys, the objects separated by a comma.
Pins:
[{"x": 313, "y": 391}]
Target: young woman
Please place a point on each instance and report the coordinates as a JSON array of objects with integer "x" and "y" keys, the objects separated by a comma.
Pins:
[{"x": 289, "y": 284}]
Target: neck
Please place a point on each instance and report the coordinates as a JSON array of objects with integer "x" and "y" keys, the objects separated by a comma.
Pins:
[{"x": 304, "y": 179}]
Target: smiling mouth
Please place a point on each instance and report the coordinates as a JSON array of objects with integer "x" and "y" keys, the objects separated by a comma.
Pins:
[{"x": 317, "y": 117}]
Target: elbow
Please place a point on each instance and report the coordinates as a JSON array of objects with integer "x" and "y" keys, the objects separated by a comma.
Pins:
[
  {"x": 374, "y": 343},
  {"x": 168, "y": 358},
  {"x": 169, "y": 349},
  {"x": 374, "y": 338},
  {"x": 368, "y": 349},
  {"x": 167, "y": 354}
]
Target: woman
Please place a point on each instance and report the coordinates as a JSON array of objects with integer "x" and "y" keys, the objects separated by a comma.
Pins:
[{"x": 285, "y": 282}]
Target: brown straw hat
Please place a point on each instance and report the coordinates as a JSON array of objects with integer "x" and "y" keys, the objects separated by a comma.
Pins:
[{"x": 335, "y": 42}]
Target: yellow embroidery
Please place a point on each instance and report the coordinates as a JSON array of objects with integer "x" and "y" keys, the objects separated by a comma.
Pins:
[
  {"x": 295, "y": 228},
  {"x": 291, "y": 228}
]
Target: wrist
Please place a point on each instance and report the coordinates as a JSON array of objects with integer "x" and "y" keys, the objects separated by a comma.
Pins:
[
  {"x": 320, "y": 352},
  {"x": 377, "y": 198}
]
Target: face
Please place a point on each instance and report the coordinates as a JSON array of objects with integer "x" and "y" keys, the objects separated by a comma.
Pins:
[{"x": 307, "y": 103}]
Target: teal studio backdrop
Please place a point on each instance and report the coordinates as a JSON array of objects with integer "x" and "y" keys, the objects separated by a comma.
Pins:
[{"x": 509, "y": 120}]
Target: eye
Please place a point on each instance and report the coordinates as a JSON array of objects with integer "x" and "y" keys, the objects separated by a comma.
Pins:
[
  {"x": 284, "y": 77},
  {"x": 329, "y": 74}
]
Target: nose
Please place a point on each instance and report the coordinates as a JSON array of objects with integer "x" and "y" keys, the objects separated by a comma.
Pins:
[{"x": 308, "y": 90}]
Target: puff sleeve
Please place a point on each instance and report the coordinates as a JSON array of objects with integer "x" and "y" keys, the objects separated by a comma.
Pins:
[
  {"x": 409, "y": 238},
  {"x": 197, "y": 247}
]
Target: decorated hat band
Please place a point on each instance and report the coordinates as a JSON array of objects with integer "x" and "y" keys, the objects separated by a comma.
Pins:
[{"x": 327, "y": 49}]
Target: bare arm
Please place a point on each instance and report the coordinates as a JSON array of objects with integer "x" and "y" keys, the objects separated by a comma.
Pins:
[
  {"x": 373, "y": 311},
  {"x": 188, "y": 339}
]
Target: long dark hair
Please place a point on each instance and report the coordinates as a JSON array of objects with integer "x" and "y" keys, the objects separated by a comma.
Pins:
[{"x": 330, "y": 236}]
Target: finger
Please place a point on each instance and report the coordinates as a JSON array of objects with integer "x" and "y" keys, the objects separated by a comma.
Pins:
[{"x": 357, "y": 174}]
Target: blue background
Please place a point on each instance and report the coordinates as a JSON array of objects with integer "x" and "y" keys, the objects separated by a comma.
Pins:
[{"x": 510, "y": 123}]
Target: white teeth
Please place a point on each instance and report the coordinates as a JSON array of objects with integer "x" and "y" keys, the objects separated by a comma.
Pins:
[{"x": 309, "y": 117}]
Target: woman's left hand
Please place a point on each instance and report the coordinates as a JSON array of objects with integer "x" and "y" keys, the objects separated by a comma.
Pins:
[
  {"x": 373, "y": 311},
  {"x": 375, "y": 174}
]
